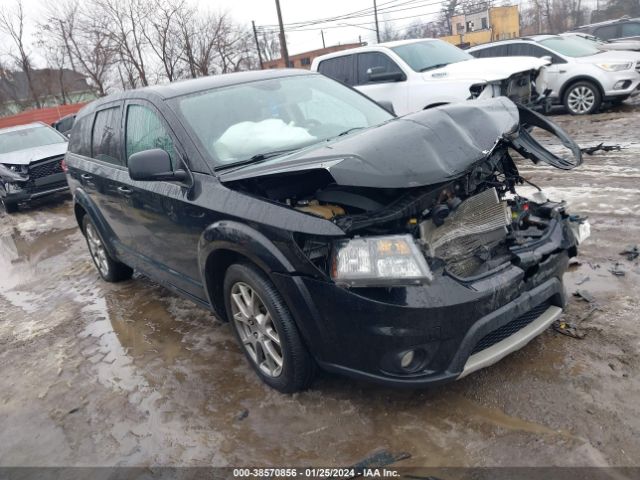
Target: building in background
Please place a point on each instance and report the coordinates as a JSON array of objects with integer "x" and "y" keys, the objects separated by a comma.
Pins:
[
  {"x": 482, "y": 26},
  {"x": 303, "y": 60},
  {"x": 51, "y": 87}
]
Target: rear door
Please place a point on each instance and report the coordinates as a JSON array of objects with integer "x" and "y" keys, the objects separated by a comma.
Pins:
[
  {"x": 164, "y": 224},
  {"x": 103, "y": 173}
]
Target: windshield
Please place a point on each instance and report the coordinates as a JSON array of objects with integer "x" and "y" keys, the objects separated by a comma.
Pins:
[
  {"x": 237, "y": 123},
  {"x": 591, "y": 41},
  {"x": 570, "y": 46},
  {"x": 421, "y": 56},
  {"x": 28, "y": 138}
]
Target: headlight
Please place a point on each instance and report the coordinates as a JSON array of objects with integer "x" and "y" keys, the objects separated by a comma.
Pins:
[
  {"x": 615, "y": 67},
  {"x": 379, "y": 261}
]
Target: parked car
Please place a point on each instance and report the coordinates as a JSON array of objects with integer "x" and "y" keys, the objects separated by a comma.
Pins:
[
  {"x": 627, "y": 45},
  {"x": 623, "y": 28},
  {"x": 580, "y": 76},
  {"x": 30, "y": 163},
  {"x": 326, "y": 230},
  {"x": 416, "y": 74},
  {"x": 64, "y": 124}
]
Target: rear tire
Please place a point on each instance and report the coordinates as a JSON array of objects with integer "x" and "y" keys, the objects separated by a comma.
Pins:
[
  {"x": 266, "y": 330},
  {"x": 9, "y": 207},
  {"x": 582, "y": 98},
  {"x": 109, "y": 269}
]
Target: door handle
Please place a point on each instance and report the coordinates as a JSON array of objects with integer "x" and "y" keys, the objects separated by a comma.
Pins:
[
  {"x": 86, "y": 176},
  {"x": 125, "y": 190}
]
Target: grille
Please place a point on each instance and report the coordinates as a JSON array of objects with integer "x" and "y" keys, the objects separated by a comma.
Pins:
[
  {"x": 638, "y": 67},
  {"x": 46, "y": 168},
  {"x": 510, "y": 328}
]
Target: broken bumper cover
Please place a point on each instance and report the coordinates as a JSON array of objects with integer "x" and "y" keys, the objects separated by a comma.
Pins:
[
  {"x": 453, "y": 327},
  {"x": 16, "y": 192}
]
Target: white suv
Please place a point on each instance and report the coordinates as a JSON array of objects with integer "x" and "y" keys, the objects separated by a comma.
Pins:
[
  {"x": 417, "y": 74},
  {"x": 581, "y": 76}
]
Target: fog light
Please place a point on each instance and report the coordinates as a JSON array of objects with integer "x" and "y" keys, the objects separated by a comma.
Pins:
[
  {"x": 407, "y": 359},
  {"x": 622, "y": 85}
]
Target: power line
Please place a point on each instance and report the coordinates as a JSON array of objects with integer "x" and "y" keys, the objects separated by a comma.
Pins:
[
  {"x": 359, "y": 24},
  {"x": 357, "y": 14}
]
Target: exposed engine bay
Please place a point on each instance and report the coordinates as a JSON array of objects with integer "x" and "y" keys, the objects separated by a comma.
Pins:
[{"x": 468, "y": 225}]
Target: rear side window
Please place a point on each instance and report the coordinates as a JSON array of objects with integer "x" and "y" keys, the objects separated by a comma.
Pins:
[
  {"x": 607, "y": 32},
  {"x": 146, "y": 131},
  {"x": 631, "y": 29},
  {"x": 105, "y": 144},
  {"x": 531, "y": 50},
  {"x": 339, "y": 68},
  {"x": 497, "y": 51},
  {"x": 80, "y": 137},
  {"x": 377, "y": 60}
]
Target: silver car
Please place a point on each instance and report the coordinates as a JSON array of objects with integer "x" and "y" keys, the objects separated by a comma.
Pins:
[{"x": 581, "y": 76}]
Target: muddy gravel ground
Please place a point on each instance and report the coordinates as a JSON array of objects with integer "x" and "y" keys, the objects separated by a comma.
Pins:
[{"x": 130, "y": 374}]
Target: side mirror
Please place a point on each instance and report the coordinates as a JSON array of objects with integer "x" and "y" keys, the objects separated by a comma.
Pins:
[
  {"x": 547, "y": 58},
  {"x": 378, "y": 74},
  {"x": 154, "y": 165}
]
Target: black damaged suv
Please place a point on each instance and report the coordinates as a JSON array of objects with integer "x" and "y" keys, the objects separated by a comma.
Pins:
[{"x": 327, "y": 231}]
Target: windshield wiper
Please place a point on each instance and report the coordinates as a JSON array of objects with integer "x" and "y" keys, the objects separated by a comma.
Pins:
[
  {"x": 257, "y": 158},
  {"x": 437, "y": 65},
  {"x": 349, "y": 131}
]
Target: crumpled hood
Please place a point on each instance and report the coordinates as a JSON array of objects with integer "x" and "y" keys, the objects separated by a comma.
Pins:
[
  {"x": 487, "y": 69},
  {"x": 423, "y": 148},
  {"x": 29, "y": 155}
]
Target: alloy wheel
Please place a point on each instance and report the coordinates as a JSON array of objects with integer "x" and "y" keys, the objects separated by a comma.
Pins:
[
  {"x": 581, "y": 99},
  {"x": 97, "y": 250},
  {"x": 256, "y": 329}
]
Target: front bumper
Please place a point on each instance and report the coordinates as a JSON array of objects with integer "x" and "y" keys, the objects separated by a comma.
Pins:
[
  {"x": 363, "y": 333},
  {"x": 621, "y": 84},
  {"x": 27, "y": 191}
]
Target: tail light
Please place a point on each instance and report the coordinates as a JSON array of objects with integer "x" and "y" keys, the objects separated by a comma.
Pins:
[{"x": 63, "y": 166}]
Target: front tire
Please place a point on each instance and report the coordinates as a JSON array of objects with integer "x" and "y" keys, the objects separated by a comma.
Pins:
[
  {"x": 109, "y": 269},
  {"x": 582, "y": 98},
  {"x": 266, "y": 331}
]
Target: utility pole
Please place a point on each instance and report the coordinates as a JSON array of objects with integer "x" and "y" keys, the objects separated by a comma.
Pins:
[
  {"x": 375, "y": 14},
  {"x": 322, "y": 33},
  {"x": 255, "y": 36},
  {"x": 283, "y": 40}
]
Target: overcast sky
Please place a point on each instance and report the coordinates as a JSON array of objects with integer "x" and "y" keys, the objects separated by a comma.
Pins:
[{"x": 264, "y": 14}]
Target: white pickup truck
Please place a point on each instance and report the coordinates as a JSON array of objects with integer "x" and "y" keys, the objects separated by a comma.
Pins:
[{"x": 416, "y": 74}]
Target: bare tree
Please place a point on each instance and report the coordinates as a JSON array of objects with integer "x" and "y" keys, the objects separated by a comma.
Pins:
[
  {"x": 269, "y": 42},
  {"x": 389, "y": 32},
  {"x": 12, "y": 24},
  {"x": 164, "y": 34},
  {"x": 126, "y": 22},
  {"x": 81, "y": 32},
  {"x": 232, "y": 45}
]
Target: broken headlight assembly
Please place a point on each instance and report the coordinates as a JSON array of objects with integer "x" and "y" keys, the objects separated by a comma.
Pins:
[
  {"x": 13, "y": 172},
  {"x": 379, "y": 261}
]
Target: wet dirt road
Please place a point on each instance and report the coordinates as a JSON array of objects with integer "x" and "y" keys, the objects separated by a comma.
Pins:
[{"x": 130, "y": 374}]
